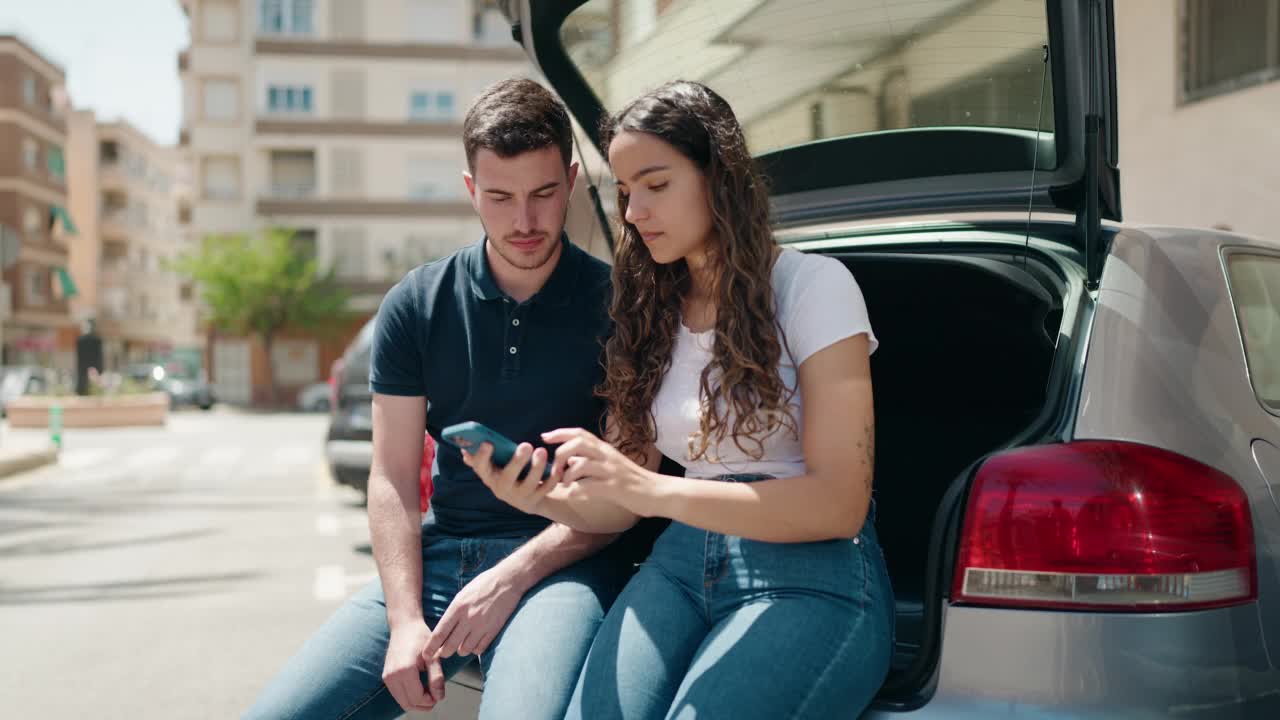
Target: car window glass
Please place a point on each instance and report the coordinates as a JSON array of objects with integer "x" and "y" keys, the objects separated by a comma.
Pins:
[
  {"x": 1255, "y": 290},
  {"x": 797, "y": 71}
]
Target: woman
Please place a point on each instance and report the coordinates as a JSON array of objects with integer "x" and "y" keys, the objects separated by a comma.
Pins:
[{"x": 767, "y": 597}]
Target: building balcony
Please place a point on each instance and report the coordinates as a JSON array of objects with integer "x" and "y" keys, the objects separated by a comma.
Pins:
[
  {"x": 353, "y": 207},
  {"x": 292, "y": 191},
  {"x": 292, "y": 126}
]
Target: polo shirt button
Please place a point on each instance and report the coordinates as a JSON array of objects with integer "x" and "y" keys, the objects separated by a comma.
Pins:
[
  {"x": 516, "y": 322},
  {"x": 513, "y": 350}
]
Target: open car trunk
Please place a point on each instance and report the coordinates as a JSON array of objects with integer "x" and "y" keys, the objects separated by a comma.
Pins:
[
  {"x": 967, "y": 350},
  {"x": 967, "y": 346}
]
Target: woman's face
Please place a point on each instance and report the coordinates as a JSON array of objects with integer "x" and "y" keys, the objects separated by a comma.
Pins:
[{"x": 666, "y": 196}]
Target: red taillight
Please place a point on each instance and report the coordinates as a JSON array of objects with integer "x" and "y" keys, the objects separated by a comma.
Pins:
[{"x": 1105, "y": 526}]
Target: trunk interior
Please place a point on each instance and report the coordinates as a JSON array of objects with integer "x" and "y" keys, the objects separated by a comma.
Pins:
[{"x": 966, "y": 346}]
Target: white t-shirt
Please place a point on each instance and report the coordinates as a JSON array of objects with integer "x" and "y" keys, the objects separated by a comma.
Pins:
[{"x": 818, "y": 304}]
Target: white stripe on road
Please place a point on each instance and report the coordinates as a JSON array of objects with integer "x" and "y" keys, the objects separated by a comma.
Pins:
[
  {"x": 152, "y": 456},
  {"x": 324, "y": 481},
  {"x": 327, "y": 524},
  {"x": 293, "y": 455},
  {"x": 330, "y": 524},
  {"x": 221, "y": 455},
  {"x": 83, "y": 458},
  {"x": 332, "y": 582}
]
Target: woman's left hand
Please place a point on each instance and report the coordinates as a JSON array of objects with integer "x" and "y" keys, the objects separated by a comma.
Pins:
[{"x": 595, "y": 470}]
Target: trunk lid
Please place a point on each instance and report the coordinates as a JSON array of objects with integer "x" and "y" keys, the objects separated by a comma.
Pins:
[{"x": 864, "y": 109}]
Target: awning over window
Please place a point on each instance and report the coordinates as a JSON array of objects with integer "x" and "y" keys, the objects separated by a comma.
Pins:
[
  {"x": 57, "y": 214},
  {"x": 65, "y": 283}
]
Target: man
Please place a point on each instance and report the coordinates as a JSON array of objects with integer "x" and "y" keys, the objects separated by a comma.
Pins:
[{"x": 507, "y": 332}]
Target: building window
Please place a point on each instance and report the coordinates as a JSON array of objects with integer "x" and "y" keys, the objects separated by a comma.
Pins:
[
  {"x": 285, "y": 17},
  {"x": 36, "y": 290},
  {"x": 218, "y": 21},
  {"x": 304, "y": 243},
  {"x": 31, "y": 221},
  {"x": 30, "y": 153},
  {"x": 56, "y": 163},
  {"x": 444, "y": 104},
  {"x": 108, "y": 152},
  {"x": 349, "y": 254},
  {"x": 347, "y": 172},
  {"x": 30, "y": 90},
  {"x": 220, "y": 176},
  {"x": 221, "y": 99},
  {"x": 293, "y": 173},
  {"x": 431, "y": 106},
  {"x": 1228, "y": 45},
  {"x": 425, "y": 178},
  {"x": 489, "y": 27},
  {"x": 289, "y": 99}
]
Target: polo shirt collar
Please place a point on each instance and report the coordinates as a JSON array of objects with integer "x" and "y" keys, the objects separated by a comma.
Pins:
[{"x": 558, "y": 289}]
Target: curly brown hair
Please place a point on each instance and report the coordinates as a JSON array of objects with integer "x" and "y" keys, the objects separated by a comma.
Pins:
[{"x": 742, "y": 393}]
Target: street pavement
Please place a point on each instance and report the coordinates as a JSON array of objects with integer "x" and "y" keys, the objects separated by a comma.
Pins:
[{"x": 169, "y": 572}]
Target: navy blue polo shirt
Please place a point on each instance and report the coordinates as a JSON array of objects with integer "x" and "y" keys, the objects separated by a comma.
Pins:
[{"x": 448, "y": 333}]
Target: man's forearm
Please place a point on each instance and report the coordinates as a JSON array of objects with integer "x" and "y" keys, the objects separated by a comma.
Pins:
[
  {"x": 395, "y": 529},
  {"x": 551, "y": 550}
]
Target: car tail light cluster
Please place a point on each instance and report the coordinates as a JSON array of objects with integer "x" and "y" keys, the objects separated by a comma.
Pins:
[{"x": 1105, "y": 526}]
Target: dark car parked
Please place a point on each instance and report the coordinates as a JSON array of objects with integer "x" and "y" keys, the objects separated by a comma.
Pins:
[{"x": 349, "y": 445}]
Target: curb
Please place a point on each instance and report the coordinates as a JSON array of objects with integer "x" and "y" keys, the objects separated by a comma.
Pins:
[{"x": 20, "y": 461}]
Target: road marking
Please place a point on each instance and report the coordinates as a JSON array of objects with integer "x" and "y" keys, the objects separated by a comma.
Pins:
[
  {"x": 330, "y": 582},
  {"x": 293, "y": 455},
  {"x": 360, "y": 580},
  {"x": 324, "y": 481},
  {"x": 331, "y": 524},
  {"x": 327, "y": 524},
  {"x": 151, "y": 456},
  {"x": 333, "y": 583},
  {"x": 221, "y": 455},
  {"x": 83, "y": 458}
]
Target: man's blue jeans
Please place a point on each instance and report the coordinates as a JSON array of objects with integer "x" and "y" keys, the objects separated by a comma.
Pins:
[
  {"x": 715, "y": 626},
  {"x": 529, "y": 669}
]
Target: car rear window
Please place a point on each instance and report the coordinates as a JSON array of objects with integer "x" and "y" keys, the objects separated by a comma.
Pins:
[
  {"x": 796, "y": 71},
  {"x": 1255, "y": 291}
]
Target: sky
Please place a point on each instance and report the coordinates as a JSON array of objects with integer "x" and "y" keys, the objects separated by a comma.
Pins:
[{"x": 120, "y": 56}]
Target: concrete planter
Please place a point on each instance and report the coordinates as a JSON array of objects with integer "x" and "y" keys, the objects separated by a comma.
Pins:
[{"x": 92, "y": 411}]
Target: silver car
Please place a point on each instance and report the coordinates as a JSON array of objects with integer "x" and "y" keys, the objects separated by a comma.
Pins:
[{"x": 1078, "y": 421}]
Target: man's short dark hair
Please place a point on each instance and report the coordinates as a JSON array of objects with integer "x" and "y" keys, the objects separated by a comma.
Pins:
[{"x": 515, "y": 116}]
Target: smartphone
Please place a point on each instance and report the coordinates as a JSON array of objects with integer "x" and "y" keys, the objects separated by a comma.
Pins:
[{"x": 470, "y": 435}]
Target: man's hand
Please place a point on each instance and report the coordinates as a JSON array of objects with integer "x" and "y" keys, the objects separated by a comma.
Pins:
[
  {"x": 401, "y": 672},
  {"x": 476, "y": 615},
  {"x": 524, "y": 494}
]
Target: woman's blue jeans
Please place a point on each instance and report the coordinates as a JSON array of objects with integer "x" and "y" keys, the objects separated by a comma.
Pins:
[{"x": 715, "y": 626}]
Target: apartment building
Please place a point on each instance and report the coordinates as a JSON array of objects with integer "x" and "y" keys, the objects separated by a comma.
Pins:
[
  {"x": 126, "y": 191},
  {"x": 342, "y": 120},
  {"x": 35, "y": 225}
]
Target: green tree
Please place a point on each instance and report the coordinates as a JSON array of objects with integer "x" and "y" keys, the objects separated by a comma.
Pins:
[{"x": 262, "y": 285}]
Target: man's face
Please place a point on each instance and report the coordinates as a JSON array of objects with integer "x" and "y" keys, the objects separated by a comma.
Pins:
[{"x": 522, "y": 202}]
